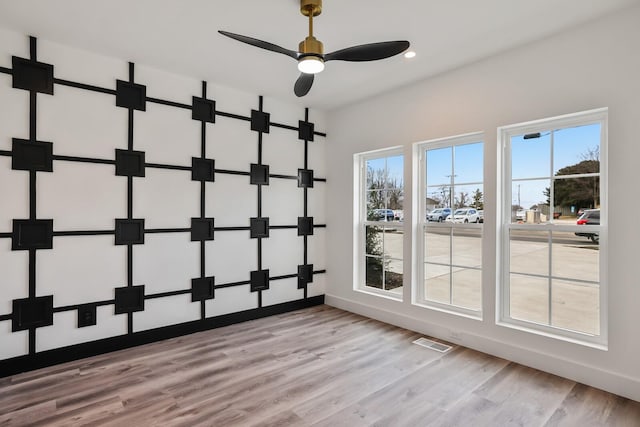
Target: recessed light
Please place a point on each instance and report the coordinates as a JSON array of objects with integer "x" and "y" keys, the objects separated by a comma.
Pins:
[{"x": 409, "y": 54}]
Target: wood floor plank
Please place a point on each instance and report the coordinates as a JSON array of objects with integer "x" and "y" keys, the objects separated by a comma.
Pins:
[{"x": 319, "y": 366}]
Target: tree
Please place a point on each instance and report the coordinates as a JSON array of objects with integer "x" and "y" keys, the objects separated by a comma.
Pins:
[
  {"x": 580, "y": 192},
  {"x": 478, "y": 199}
]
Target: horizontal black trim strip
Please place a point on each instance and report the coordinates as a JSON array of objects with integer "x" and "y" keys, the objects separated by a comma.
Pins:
[
  {"x": 319, "y": 271},
  {"x": 320, "y": 134},
  {"x": 233, "y": 116},
  {"x": 167, "y": 230},
  {"x": 320, "y": 179},
  {"x": 5, "y": 235},
  {"x": 5, "y": 70},
  {"x": 161, "y": 166},
  {"x": 169, "y": 103},
  {"x": 167, "y": 294},
  {"x": 42, "y": 359},
  {"x": 319, "y": 225},
  {"x": 231, "y": 228},
  {"x": 281, "y": 227},
  {"x": 230, "y": 172},
  {"x": 229, "y": 285},
  {"x": 5, "y": 317},
  {"x": 77, "y": 306},
  {"x": 5, "y": 153},
  {"x": 83, "y": 159},
  {"x": 83, "y": 233},
  {"x": 279, "y": 125},
  {"x": 282, "y": 176},
  {"x": 286, "y": 276},
  {"x": 84, "y": 86}
]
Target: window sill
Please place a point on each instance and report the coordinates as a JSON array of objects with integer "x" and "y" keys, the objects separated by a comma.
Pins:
[
  {"x": 547, "y": 334},
  {"x": 379, "y": 293}
]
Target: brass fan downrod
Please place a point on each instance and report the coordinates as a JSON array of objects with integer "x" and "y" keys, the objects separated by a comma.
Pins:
[{"x": 311, "y": 46}]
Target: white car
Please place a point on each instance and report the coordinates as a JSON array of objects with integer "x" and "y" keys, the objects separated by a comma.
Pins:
[{"x": 464, "y": 215}]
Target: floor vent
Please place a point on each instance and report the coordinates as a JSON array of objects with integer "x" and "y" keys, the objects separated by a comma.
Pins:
[{"x": 423, "y": 342}]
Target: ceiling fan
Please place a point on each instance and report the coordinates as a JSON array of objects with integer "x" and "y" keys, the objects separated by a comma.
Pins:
[{"x": 310, "y": 54}]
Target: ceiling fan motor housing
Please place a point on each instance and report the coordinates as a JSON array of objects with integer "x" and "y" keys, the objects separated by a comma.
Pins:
[{"x": 311, "y": 46}]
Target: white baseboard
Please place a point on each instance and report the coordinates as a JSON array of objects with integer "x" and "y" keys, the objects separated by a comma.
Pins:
[{"x": 595, "y": 377}]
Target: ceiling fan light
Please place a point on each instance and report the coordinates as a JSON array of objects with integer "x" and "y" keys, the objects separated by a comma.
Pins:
[{"x": 310, "y": 64}]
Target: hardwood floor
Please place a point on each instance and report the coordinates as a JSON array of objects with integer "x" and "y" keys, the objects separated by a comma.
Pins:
[{"x": 319, "y": 366}]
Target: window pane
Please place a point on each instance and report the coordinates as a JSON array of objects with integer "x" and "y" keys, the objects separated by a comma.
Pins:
[
  {"x": 375, "y": 169},
  {"x": 530, "y": 201},
  {"x": 437, "y": 283},
  {"x": 393, "y": 242},
  {"x": 573, "y": 194},
  {"x": 439, "y": 197},
  {"x": 467, "y": 288},
  {"x": 374, "y": 243},
  {"x": 468, "y": 196},
  {"x": 574, "y": 257},
  {"x": 468, "y": 163},
  {"x": 576, "y": 306},
  {"x": 439, "y": 166},
  {"x": 575, "y": 148},
  {"x": 373, "y": 272},
  {"x": 531, "y": 158},
  {"x": 393, "y": 274},
  {"x": 529, "y": 298},
  {"x": 437, "y": 246},
  {"x": 395, "y": 177},
  {"x": 529, "y": 252},
  {"x": 376, "y": 199},
  {"x": 467, "y": 247}
]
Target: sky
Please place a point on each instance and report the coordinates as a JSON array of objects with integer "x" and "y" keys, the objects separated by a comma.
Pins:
[{"x": 531, "y": 163}]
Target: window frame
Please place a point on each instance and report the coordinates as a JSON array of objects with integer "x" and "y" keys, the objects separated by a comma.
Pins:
[
  {"x": 505, "y": 185},
  {"x": 421, "y": 224},
  {"x": 360, "y": 222}
]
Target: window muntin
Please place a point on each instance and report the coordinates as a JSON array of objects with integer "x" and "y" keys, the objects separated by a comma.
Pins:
[
  {"x": 379, "y": 222},
  {"x": 552, "y": 279},
  {"x": 451, "y": 173}
]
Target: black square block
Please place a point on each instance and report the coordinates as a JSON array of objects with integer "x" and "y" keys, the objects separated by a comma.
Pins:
[
  {"x": 305, "y": 178},
  {"x": 305, "y": 275},
  {"x": 32, "y": 313},
  {"x": 305, "y": 225},
  {"x": 260, "y": 121},
  {"x": 129, "y": 299},
  {"x": 305, "y": 130},
  {"x": 32, "y": 234},
  {"x": 129, "y": 231},
  {"x": 31, "y": 156},
  {"x": 131, "y": 95},
  {"x": 201, "y": 229},
  {"x": 203, "y": 109},
  {"x": 259, "y": 174},
  {"x": 203, "y": 169},
  {"x": 32, "y": 75},
  {"x": 86, "y": 315},
  {"x": 129, "y": 163},
  {"x": 259, "y": 280},
  {"x": 202, "y": 288},
  {"x": 259, "y": 227}
]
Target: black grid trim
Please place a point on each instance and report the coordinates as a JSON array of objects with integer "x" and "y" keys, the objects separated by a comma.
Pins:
[
  {"x": 203, "y": 169},
  {"x": 30, "y": 313},
  {"x": 305, "y": 275},
  {"x": 32, "y": 234},
  {"x": 129, "y": 231},
  {"x": 131, "y": 95},
  {"x": 305, "y": 130},
  {"x": 259, "y": 280},
  {"x": 130, "y": 163},
  {"x": 260, "y": 121},
  {"x": 87, "y": 315},
  {"x": 202, "y": 229},
  {"x": 305, "y": 225},
  {"x": 305, "y": 178},
  {"x": 31, "y": 156},
  {"x": 203, "y": 109},
  {"x": 32, "y": 75},
  {"x": 129, "y": 299},
  {"x": 259, "y": 174},
  {"x": 259, "y": 227},
  {"x": 202, "y": 288}
]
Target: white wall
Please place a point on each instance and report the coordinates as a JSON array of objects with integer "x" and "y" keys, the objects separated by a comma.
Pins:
[
  {"x": 81, "y": 196},
  {"x": 592, "y": 66}
]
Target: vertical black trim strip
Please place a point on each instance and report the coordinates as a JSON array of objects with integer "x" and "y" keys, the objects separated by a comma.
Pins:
[
  {"x": 32, "y": 341},
  {"x": 32, "y": 195},
  {"x": 203, "y": 155},
  {"x": 32, "y": 273},
  {"x": 33, "y": 106},
  {"x": 32, "y": 115},
  {"x": 130, "y": 130},
  {"x": 260, "y": 107},
  {"x": 130, "y": 203},
  {"x": 33, "y": 48},
  {"x": 306, "y": 201}
]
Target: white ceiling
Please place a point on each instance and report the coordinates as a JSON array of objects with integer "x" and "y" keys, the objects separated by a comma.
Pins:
[{"x": 181, "y": 36}]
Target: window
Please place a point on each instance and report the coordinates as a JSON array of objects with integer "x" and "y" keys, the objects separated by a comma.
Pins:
[
  {"x": 554, "y": 226},
  {"x": 379, "y": 234},
  {"x": 450, "y": 221}
]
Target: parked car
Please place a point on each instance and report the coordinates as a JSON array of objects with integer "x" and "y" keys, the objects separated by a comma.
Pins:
[
  {"x": 481, "y": 216},
  {"x": 439, "y": 214},
  {"x": 464, "y": 215},
  {"x": 398, "y": 215},
  {"x": 383, "y": 215},
  {"x": 590, "y": 217}
]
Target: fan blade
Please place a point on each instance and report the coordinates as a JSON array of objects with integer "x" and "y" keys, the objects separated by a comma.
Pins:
[
  {"x": 368, "y": 52},
  {"x": 260, "y": 43},
  {"x": 303, "y": 84}
]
